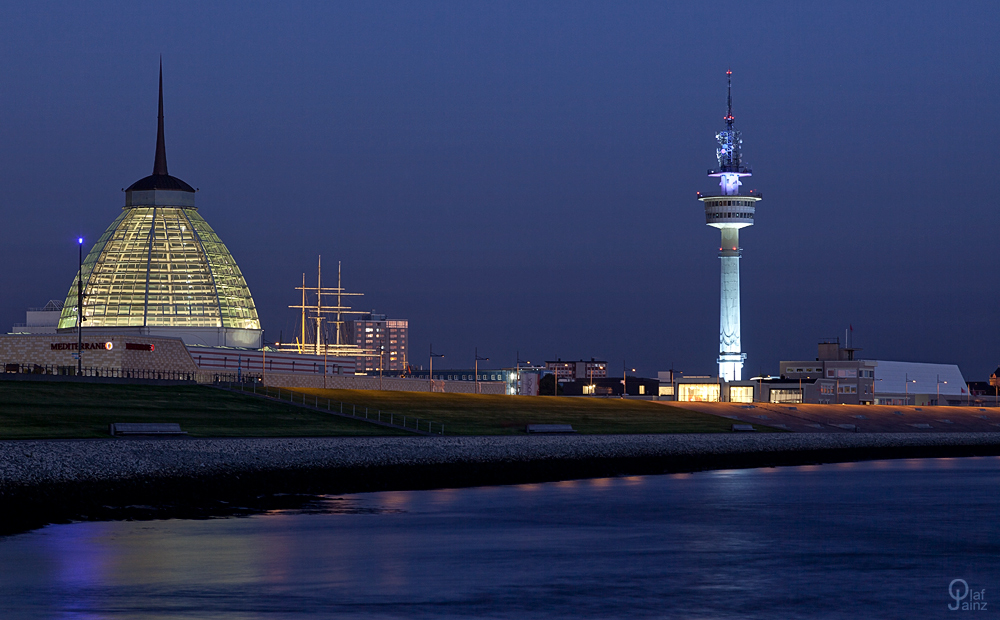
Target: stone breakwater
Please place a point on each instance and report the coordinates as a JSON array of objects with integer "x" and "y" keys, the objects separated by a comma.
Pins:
[{"x": 47, "y": 481}]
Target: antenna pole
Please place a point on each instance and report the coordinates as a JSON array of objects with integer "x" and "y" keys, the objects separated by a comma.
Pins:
[
  {"x": 79, "y": 312},
  {"x": 729, "y": 99},
  {"x": 319, "y": 299},
  {"x": 302, "y": 343},
  {"x": 339, "y": 291}
]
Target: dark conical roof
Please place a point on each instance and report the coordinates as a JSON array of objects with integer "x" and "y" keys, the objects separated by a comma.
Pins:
[{"x": 160, "y": 179}]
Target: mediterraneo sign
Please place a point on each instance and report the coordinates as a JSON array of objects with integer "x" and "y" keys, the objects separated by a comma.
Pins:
[{"x": 73, "y": 346}]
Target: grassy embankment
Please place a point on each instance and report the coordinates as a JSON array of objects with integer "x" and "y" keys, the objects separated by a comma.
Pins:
[
  {"x": 53, "y": 410},
  {"x": 480, "y": 414}
]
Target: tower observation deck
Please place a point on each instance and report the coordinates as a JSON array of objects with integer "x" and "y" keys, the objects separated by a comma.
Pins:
[{"x": 729, "y": 211}]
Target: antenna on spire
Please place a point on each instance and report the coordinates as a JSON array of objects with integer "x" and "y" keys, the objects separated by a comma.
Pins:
[
  {"x": 729, "y": 98},
  {"x": 160, "y": 161},
  {"x": 731, "y": 166}
]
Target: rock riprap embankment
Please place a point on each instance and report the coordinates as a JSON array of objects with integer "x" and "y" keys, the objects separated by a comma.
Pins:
[
  {"x": 35, "y": 462},
  {"x": 43, "y": 481}
]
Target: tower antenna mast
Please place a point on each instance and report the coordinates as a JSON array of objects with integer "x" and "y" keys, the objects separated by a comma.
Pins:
[{"x": 729, "y": 99}]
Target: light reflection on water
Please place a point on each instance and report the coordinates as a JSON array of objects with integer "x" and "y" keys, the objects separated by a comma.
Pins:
[{"x": 870, "y": 539}]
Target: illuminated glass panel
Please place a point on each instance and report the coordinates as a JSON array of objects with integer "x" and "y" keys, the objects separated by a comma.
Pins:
[
  {"x": 162, "y": 267},
  {"x": 741, "y": 394},
  {"x": 789, "y": 395},
  {"x": 698, "y": 392}
]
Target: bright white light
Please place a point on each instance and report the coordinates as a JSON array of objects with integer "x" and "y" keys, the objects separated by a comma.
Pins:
[{"x": 730, "y": 183}]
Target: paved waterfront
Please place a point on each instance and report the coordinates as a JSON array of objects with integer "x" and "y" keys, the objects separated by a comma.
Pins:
[{"x": 814, "y": 418}]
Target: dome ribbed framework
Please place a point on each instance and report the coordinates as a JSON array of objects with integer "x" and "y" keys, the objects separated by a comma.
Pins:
[{"x": 161, "y": 266}]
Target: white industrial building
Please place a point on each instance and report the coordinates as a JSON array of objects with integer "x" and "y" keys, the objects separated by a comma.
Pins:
[{"x": 834, "y": 377}]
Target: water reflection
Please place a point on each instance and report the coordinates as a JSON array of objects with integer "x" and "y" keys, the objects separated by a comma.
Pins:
[{"x": 785, "y": 542}]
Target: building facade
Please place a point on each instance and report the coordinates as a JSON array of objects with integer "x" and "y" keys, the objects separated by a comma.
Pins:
[
  {"x": 387, "y": 339},
  {"x": 507, "y": 376},
  {"x": 581, "y": 369},
  {"x": 835, "y": 377},
  {"x": 44, "y": 320}
]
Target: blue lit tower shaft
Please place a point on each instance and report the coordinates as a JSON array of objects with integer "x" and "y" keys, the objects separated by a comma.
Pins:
[{"x": 729, "y": 212}]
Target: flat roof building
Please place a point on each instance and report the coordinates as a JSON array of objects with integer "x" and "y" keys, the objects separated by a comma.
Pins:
[
  {"x": 387, "y": 338},
  {"x": 836, "y": 377},
  {"x": 581, "y": 369},
  {"x": 44, "y": 320}
]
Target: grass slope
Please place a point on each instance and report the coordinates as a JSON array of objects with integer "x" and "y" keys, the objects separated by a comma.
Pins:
[
  {"x": 49, "y": 410},
  {"x": 480, "y": 414}
]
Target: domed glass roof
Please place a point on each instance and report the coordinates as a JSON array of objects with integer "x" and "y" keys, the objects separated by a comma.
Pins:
[{"x": 160, "y": 265}]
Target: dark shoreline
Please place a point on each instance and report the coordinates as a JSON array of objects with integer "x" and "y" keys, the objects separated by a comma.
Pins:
[{"x": 40, "y": 486}]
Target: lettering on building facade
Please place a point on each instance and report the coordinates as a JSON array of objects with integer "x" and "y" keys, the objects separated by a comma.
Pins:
[{"x": 72, "y": 346}]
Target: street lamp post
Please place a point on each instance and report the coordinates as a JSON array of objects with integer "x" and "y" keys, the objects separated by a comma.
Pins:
[
  {"x": 79, "y": 310},
  {"x": 430, "y": 376},
  {"x": 479, "y": 359},
  {"x": 939, "y": 382},
  {"x": 625, "y": 379},
  {"x": 908, "y": 382},
  {"x": 517, "y": 379}
]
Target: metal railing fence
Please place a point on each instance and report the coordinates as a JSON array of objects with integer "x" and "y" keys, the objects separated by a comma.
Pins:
[
  {"x": 97, "y": 371},
  {"x": 378, "y": 416}
]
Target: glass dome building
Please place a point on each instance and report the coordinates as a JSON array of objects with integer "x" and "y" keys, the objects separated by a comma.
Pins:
[{"x": 160, "y": 269}]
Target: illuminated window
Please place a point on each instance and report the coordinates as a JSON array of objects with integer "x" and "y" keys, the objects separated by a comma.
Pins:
[
  {"x": 741, "y": 394},
  {"x": 793, "y": 395},
  {"x": 698, "y": 392}
]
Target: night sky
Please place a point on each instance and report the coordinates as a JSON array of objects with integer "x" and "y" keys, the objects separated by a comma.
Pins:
[{"x": 522, "y": 176}]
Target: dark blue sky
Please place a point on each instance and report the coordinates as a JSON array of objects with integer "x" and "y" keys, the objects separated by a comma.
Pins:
[{"x": 522, "y": 176}]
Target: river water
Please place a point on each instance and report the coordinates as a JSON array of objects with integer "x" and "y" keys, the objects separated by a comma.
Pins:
[{"x": 883, "y": 539}]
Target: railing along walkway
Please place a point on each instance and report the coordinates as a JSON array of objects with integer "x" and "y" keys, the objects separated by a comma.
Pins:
[{"x": 351, "y": 411}]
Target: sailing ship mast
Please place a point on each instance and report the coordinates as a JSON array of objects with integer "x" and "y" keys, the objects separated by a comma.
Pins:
[{"x": 318, "y": 312}]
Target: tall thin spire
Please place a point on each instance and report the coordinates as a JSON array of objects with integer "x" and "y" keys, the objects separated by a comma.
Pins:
[{"x": 160, "y": 162}]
